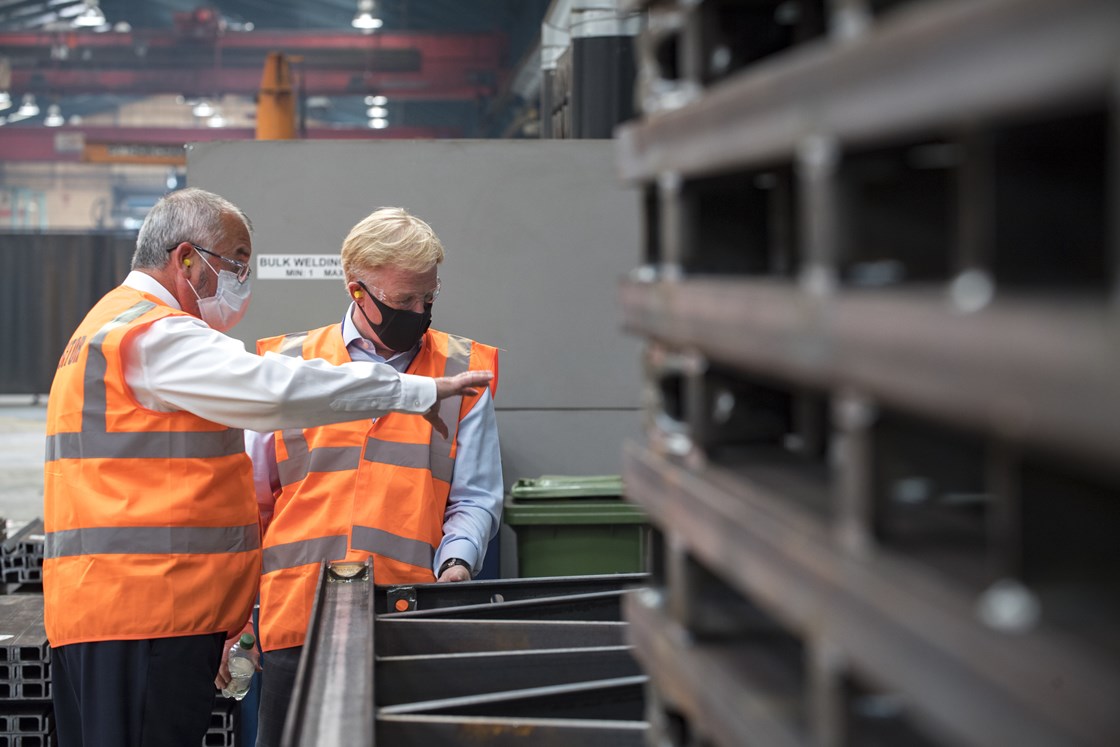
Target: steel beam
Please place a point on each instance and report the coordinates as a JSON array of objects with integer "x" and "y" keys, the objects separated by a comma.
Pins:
[
  {"x": 405, "y": 65},
  {"x": 430, "y": 596},
  {"x": 469, "y": 731},
  {"x": 929, "y": 66},
  {"x": 601, "y": 606},
  {"x": 334, "y": 687},
  {"x": 614, "y": 699},
  {"x": 506, "y": 672},
  {"x": 911, "y": 350},
  {"x": 406, "y": 679},
  {"x": 411, "y": 637},
  {"x": 737, "y": 691},
  {"x": 889, "y": 615}
]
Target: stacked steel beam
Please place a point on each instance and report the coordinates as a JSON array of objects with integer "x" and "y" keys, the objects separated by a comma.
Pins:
[
  {"x": 519, "y": 661},
  {"x": 879, "y": 286},
  {"x": 225, "y": 724},
  {"x": 21, "y": 558},
  {"x": 26, "y": 713},
  {"x": 25, "y": 674}
]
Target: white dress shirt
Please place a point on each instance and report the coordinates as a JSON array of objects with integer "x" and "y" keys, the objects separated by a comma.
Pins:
[
  {"x": 474, "y": 503},
  {"x": 181, "y": 363}
]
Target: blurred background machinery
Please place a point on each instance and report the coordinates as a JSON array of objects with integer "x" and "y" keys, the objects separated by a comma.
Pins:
[{"x": 879, "y": 293}]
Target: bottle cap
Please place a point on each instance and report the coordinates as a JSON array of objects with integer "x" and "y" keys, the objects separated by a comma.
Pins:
[{"x": 247, "y": 640}]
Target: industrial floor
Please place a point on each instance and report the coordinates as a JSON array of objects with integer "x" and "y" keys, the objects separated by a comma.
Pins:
[{"x": 22, "y": 430}]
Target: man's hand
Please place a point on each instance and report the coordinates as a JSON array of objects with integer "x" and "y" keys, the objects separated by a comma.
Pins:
[
  {"x": 223, "y": 678},
  {"x": 454, "y": 573},
  {"x": 466, "y": 383}
]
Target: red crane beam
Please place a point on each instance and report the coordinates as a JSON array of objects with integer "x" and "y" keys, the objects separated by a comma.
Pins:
[{"x": 405, "y": 65}]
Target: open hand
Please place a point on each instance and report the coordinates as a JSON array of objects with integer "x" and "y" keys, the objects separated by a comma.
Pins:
[{"x": 466, "y": 383}]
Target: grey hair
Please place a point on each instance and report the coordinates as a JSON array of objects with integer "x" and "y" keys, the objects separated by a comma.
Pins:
[{"x": 192, "y": 215}]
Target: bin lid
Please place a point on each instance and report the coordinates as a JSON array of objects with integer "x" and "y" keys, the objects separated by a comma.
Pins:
[{"x": 567, "y": 486}]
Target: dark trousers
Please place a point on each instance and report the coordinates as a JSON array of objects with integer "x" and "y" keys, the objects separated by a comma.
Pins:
[
  {"x": 278, "y": 679},
  {"x": 151, "y": 693}
]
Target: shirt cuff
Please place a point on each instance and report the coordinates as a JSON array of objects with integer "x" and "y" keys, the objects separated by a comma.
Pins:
[
  {"x": 458, "y": 548},
  {"x": 418, "y": 393}
]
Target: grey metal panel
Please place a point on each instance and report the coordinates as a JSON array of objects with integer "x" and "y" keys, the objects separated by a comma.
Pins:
[
  {"x": 574, "y": 442},
  {"x": 537, "y": 235}
]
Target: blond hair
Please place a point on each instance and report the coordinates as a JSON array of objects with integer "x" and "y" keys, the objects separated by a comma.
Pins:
[{"x": 390, "y": 236}]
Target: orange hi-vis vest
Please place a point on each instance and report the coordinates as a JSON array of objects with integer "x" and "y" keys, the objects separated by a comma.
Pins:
[
  {"x": 151, "y": 523},
  {"x": 365, "y": 488}
]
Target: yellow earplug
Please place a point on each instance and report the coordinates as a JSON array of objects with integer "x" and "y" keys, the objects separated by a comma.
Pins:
[
  {"x": 186, "y": 263},
  {"x": 357, "y": 294}
]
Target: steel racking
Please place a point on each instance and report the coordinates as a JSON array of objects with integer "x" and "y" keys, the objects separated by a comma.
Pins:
[{"x": 880, "y": 289}]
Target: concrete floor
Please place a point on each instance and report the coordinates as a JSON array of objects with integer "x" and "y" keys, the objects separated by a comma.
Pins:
[{"x": 22, "y": 432}]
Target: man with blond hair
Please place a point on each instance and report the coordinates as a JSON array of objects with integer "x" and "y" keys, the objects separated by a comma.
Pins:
[{"x": 421, "y": 504}]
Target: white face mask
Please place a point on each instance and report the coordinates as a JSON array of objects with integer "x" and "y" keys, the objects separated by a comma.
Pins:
[{"x": 229, "y": 303}]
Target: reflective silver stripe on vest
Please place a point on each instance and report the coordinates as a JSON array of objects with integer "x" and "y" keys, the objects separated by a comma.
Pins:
[
  {"x": 145, "y": 445},
  {"x": 458, "y": 361},
  {"x": 436, "y": 454},
  {"x": 294, "y": 468},
  {"x": 303, "y": 552},
  {"x": 93, "y": 396},
  {"x": 413, "y": 552},
  {"x": 292, "y": 345},
  {"x": 417, "y": 456},
  {"x": 95, "y": 442},
  {"x": 151, "y": 541},
  {"x": 323, "y": 459}
]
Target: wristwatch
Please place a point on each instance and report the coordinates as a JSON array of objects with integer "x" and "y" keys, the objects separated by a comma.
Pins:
[{"x": 453, "y": 562}]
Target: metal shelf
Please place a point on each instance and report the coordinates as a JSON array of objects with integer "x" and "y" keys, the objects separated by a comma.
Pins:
[
  {"x": 1041, "y": 372},
  {"x": 896, "y": 624},
  {"x": 930, "y": 67},
  {"x": 733, "y": 691}
]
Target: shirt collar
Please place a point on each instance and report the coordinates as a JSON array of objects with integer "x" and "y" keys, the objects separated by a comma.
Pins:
[
  {"x": 351, "y": 336},
  {"x": 145, "y": 283}
]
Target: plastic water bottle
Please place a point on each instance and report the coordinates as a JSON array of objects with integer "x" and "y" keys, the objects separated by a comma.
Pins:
[{"x": 241, "y": 667}]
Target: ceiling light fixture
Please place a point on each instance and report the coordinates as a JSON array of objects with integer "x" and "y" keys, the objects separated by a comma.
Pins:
[
  {"x": 367, "y": 17},
  {"x": 378, "y": 123},
  {"x": 203, "y": 109},
  {"x": 216, "y": 121},
  {"x": 91, "y": 16},
  {"x": 377, "y": 112},
  {"x": 54, "y": 116},
  {"x": 28, "y": 108},
  {"x": 376, "y": 100}
]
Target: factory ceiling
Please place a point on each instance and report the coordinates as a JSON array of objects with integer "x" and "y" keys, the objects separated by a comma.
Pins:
[{"x": 444, "y": 67}]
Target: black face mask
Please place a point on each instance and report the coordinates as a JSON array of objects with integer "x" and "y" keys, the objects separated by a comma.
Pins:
[{"x": 400, "y": 329}]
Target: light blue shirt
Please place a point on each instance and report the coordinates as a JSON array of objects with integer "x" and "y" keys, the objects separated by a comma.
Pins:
[{"x": 474, "y": 504}]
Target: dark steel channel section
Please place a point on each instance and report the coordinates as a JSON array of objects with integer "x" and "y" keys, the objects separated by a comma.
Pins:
[
  {"x": 540, "y": 662},
  {"x": 600, "y": 605},
  {"x": 620, "y": 698},
  {"x": 405, "y": 679},
  {"x": 427, "y": 730},
  {"x": 334, "y": 682},
  {"x": 431, "y": 596},
  {"x": 412, "y": 637}
]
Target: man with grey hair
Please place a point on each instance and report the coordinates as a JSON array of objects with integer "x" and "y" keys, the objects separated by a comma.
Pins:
[
  {"x": 422, "y": 504},
  {"x": 152, "y": 533}
]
